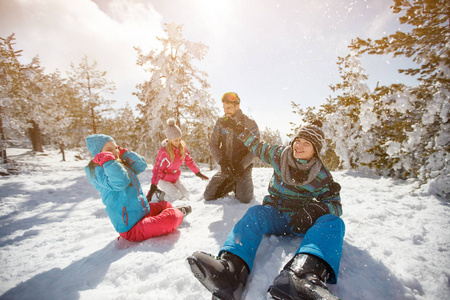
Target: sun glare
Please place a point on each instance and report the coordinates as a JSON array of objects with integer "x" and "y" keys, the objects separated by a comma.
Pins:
[{"x": 212, "y": 12}]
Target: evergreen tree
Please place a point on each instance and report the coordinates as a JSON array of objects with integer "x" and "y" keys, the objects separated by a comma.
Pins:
[
  {"x": 350, "y": 122},
  {"x": 347, "y": 134},
  {"x": 426, "y": 106},
  {"x": 123, "y": 127},
  {"x": 64, "y": 114},
  {"x": 272, "y": 137},
  {"x": 176, "y": 89},
  {"x": 35, "y": 100},
  {"x": 11, "y": 72},
  {"x": 92, "y": 84},
  {"x": 22, "y": 91},
  {"x": 397, "y": 130}
]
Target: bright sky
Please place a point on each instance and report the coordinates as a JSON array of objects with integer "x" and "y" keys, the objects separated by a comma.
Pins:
[{"x": 270, "y": 52}]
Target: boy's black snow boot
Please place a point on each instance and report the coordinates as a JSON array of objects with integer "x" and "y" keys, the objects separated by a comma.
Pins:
[
  {"x": 225, "y": 276},
  {"x": 303, "y": 278}
]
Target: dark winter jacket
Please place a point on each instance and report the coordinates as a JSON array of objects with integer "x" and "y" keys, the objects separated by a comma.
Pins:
[
  {"x": 289, "y": 198},
  {"x": 121, "y": 190},
  {"x": 224, "y": 143}
]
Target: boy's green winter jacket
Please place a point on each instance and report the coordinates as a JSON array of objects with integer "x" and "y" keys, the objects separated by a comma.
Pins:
[{"x": 289, "y": 198}]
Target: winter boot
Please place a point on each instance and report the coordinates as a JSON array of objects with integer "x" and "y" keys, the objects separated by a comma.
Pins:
[
  {"x": 303, "y": 278},
  {"x": 185, "y": 210},
  {"x": 225, "y": 276},
  {"x": 160, "y": 195}
]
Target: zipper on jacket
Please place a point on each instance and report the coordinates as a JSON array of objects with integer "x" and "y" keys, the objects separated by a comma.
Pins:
[
  {"x": 143, "y": 204},
  {"x": 125, "y": 215},
  {"x": 134, "y": 179},
  {"x": 137, "y": 188}
]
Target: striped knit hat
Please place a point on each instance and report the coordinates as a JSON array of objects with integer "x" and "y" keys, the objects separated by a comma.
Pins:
[{"x": 313, "y": 133}]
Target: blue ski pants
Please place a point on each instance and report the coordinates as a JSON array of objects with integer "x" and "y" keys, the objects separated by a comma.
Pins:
[{"x": 324, "y": 239}]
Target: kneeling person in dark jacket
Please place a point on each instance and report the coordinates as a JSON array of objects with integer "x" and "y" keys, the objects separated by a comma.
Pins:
[{"x": 234, "y": 158}]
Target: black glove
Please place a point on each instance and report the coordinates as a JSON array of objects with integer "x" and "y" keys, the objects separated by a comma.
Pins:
[
  {"x": 153, "y": 189},
  {"x": 307, "y": 215},
  {"x": 238, "y": 170},
  {"x": 230, "y": 123},
  {"x": 201, "y": 176},
  {"x": 298, "y": 176},
  {"x": 334, "y": 189},
  {"x": 226, "y": 167}
]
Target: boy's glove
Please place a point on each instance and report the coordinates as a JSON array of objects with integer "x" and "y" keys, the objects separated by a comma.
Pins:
[
  {"x": 121, "y": 150},
  {"x": 150, "y": 193},
  {"x": 303, "y": 219},
  {"x": 202, "y": 177},
  {"x": 103, "y": 157},
  {"x": 334, "y": 189},
  {"x": 298, "y": 176}
]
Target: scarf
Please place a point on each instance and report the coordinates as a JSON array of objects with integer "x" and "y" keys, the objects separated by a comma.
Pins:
[{"x": 288, "y": 160}]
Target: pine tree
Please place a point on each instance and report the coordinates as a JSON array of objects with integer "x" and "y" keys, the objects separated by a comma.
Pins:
[
  {"x": 64, "y": 113},
  {"x": 176, "y": 89},
  {"x": 10, "y": 78},
  {"x": 426, "y": 145},
  {"x": 122, "y": 126},
  {"x": 272, "y": 137},
  {"x": 92, "y": 86},
  {"x": 347, "y": 133},
  {"x": 34, "y": 99},
  {"x": 22, "y": 91}
]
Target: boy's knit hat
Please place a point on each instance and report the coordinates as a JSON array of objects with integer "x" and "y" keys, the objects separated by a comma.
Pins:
[
  {"x": 96, "y": 142},
  {"x": 172, "y": 130},
  {"x": 313, "y": 133}
]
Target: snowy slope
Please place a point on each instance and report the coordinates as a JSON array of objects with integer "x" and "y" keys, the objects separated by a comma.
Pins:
[{"x": 56, "y": 241}]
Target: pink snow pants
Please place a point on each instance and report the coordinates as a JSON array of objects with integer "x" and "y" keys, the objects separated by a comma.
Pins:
[{"x": 162, "y": 219}]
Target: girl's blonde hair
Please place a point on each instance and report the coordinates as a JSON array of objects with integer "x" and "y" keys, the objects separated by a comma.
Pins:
[{"x": 170, "y": 151}]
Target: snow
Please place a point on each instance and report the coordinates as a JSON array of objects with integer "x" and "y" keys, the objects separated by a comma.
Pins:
[{"x": 56, "y": 241}]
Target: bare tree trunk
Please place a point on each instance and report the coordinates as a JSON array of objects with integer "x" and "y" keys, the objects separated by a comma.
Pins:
[
  {"x": 94, "y": 126},
  {"x": 61, "y": 147},
  {"x": 35, "y": 136},
  {"x": 211, "y": 160},
  {"x": 3, "y": 156}
]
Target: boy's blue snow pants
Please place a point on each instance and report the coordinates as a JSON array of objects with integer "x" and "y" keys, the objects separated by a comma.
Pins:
[{"x": 324, "y": 239}]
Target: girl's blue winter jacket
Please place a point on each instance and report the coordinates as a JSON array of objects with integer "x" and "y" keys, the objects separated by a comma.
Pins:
[{"x": 121, "y": 190}]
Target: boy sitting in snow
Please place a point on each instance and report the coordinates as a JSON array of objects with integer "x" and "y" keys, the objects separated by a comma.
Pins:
[{"x": 303, "y": 200}]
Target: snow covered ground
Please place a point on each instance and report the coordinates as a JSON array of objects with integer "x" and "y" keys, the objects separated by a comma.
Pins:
[{"x": 56, "y": 241}]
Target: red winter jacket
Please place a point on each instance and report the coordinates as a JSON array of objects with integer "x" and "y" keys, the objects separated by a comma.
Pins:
[{"x": 170, "y": 171}]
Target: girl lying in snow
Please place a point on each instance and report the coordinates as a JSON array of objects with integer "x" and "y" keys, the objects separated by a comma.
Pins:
[{"x": 113, "y": 172}]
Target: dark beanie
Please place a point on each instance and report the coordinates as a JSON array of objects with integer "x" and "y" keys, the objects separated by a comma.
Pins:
[{"x": 313, "y": 133}]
